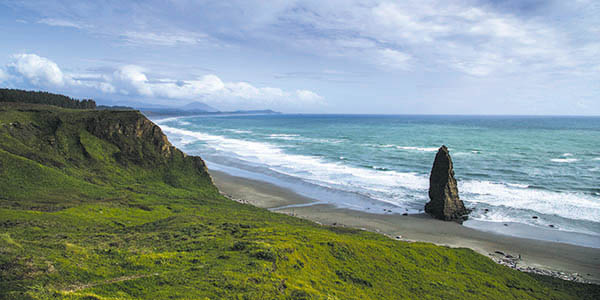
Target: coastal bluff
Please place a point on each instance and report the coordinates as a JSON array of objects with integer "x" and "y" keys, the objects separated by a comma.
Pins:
[
  {"x": 444, "y": 203},
  {"x": 101, "y": 141}
]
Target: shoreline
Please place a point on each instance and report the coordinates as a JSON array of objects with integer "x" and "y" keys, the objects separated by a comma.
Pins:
[{"x": 551, "y": 258}]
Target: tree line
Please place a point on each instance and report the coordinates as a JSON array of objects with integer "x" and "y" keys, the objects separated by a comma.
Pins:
[{"x": 21, "y": 96}]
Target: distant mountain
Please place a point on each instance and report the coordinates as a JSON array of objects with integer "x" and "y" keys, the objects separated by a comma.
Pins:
[{"x": 198, "y": 106}]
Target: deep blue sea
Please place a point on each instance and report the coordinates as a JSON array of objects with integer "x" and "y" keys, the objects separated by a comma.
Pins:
[{"x": 516, "y": 167}]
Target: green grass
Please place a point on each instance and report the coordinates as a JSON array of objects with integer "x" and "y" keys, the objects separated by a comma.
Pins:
[{"x": 89, "y": 214}]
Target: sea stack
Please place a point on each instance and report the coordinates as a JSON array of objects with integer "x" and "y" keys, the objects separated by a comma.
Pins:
[{"x": 444, "y": 202}]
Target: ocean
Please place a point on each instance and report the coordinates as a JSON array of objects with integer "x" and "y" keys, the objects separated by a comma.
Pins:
[{"x": 531, "y": 171}]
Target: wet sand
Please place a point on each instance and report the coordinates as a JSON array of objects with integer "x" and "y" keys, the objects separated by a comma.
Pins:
[{"x": 546, "y": 255}]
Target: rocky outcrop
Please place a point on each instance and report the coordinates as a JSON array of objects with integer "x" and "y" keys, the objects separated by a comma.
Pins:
[
  {"x": 138, "y": 138},
  {"x": 139, "y": 141},
  {"x": 444, "y": 202},
  {"x": 143, "y": 143},
  {"x": 131, "y": 132}
]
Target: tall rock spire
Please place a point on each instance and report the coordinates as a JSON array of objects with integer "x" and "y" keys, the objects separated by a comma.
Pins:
[{"x": 444, "y": 202}]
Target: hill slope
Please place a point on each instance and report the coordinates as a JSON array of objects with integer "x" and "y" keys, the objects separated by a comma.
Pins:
[
  {"x": 198, "y": 106},
  {"x": 99, "y": 205}
]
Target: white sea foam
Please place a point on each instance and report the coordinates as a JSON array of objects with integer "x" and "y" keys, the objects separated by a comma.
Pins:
[
  {"x": 567, "y": 154},
  {"x": 297, "y": 137},
  {"x": 518, "y": 185},
  {"x": 564, "y": 160},
  {"x": 282, "y": 136},
  {"x": 497, "y": 216},
  {"x": 597, "y": 158},
  {"x": 165, "y": 120},
  {"x": 239, "y": 131},
  {"x": 577, "y": 206},
  {"x": 379, "y": 168},
  {"x": 411, "y": 148},
  {"x": 425, "y": 149}
]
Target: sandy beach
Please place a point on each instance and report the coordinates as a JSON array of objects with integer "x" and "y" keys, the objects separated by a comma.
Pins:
[{"x": 558, "y": 257}]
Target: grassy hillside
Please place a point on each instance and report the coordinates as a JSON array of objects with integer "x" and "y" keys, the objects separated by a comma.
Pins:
[{"x": 98, "y": 205}]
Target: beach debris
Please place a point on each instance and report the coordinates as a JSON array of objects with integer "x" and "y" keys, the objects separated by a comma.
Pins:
[
  {"x": 398, "y": 237},
  {"x": 534, "y": 217},
  {"x": 551, "y": 226},
  {"x": 443, "y": 191},
  {"x": 405, "y": 214},
  {"x": 515, "y": 262},
  {"x": 505, "y": 224}
]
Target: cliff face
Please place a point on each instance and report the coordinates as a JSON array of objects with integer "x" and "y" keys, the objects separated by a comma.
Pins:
[
  {"x": 139, "y": 139},
  {"x": 120, "y": 126},
  {"x": 109, "y": 147}
]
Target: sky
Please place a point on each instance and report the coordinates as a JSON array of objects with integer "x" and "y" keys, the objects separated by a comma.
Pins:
[{"x": 529, "y": 57}]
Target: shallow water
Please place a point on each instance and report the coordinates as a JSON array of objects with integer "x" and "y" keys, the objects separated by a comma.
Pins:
[{"x": 517, "y": 167}]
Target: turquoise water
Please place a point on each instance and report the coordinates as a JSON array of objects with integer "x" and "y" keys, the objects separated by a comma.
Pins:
[{"x": 515, "y": 167}]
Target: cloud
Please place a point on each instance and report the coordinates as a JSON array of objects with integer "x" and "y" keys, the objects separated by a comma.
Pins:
[
  {"x": 163, "y": 38},
  {"x": 392, "y": 58},
  {"x": 478, "y": 38},
  {"x": 471, "y": 37},
  {"x": 308, "y": 96},
  {"x": 60, "y": 23},
  {"x": 37, "y": 70},
  {"x": 133, "y": 80}
]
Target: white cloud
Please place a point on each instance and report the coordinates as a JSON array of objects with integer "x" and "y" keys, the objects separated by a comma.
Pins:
[
  {"x": 308, "y": 96},
  {"x": 60, "y": 23},
  {"x": 432, "y": 33},
  {"x": 470, "y": 39},
  {"x": 38, "y": 70},
  {"x": 133, "y": 80},
  {"x": 163, "y": 38},
  {"x": 467, "y": 36},
  {"x": 41, "y": 72},
  {"x": 393, "y": 59},
  {"x": 405, "y": 23}
]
